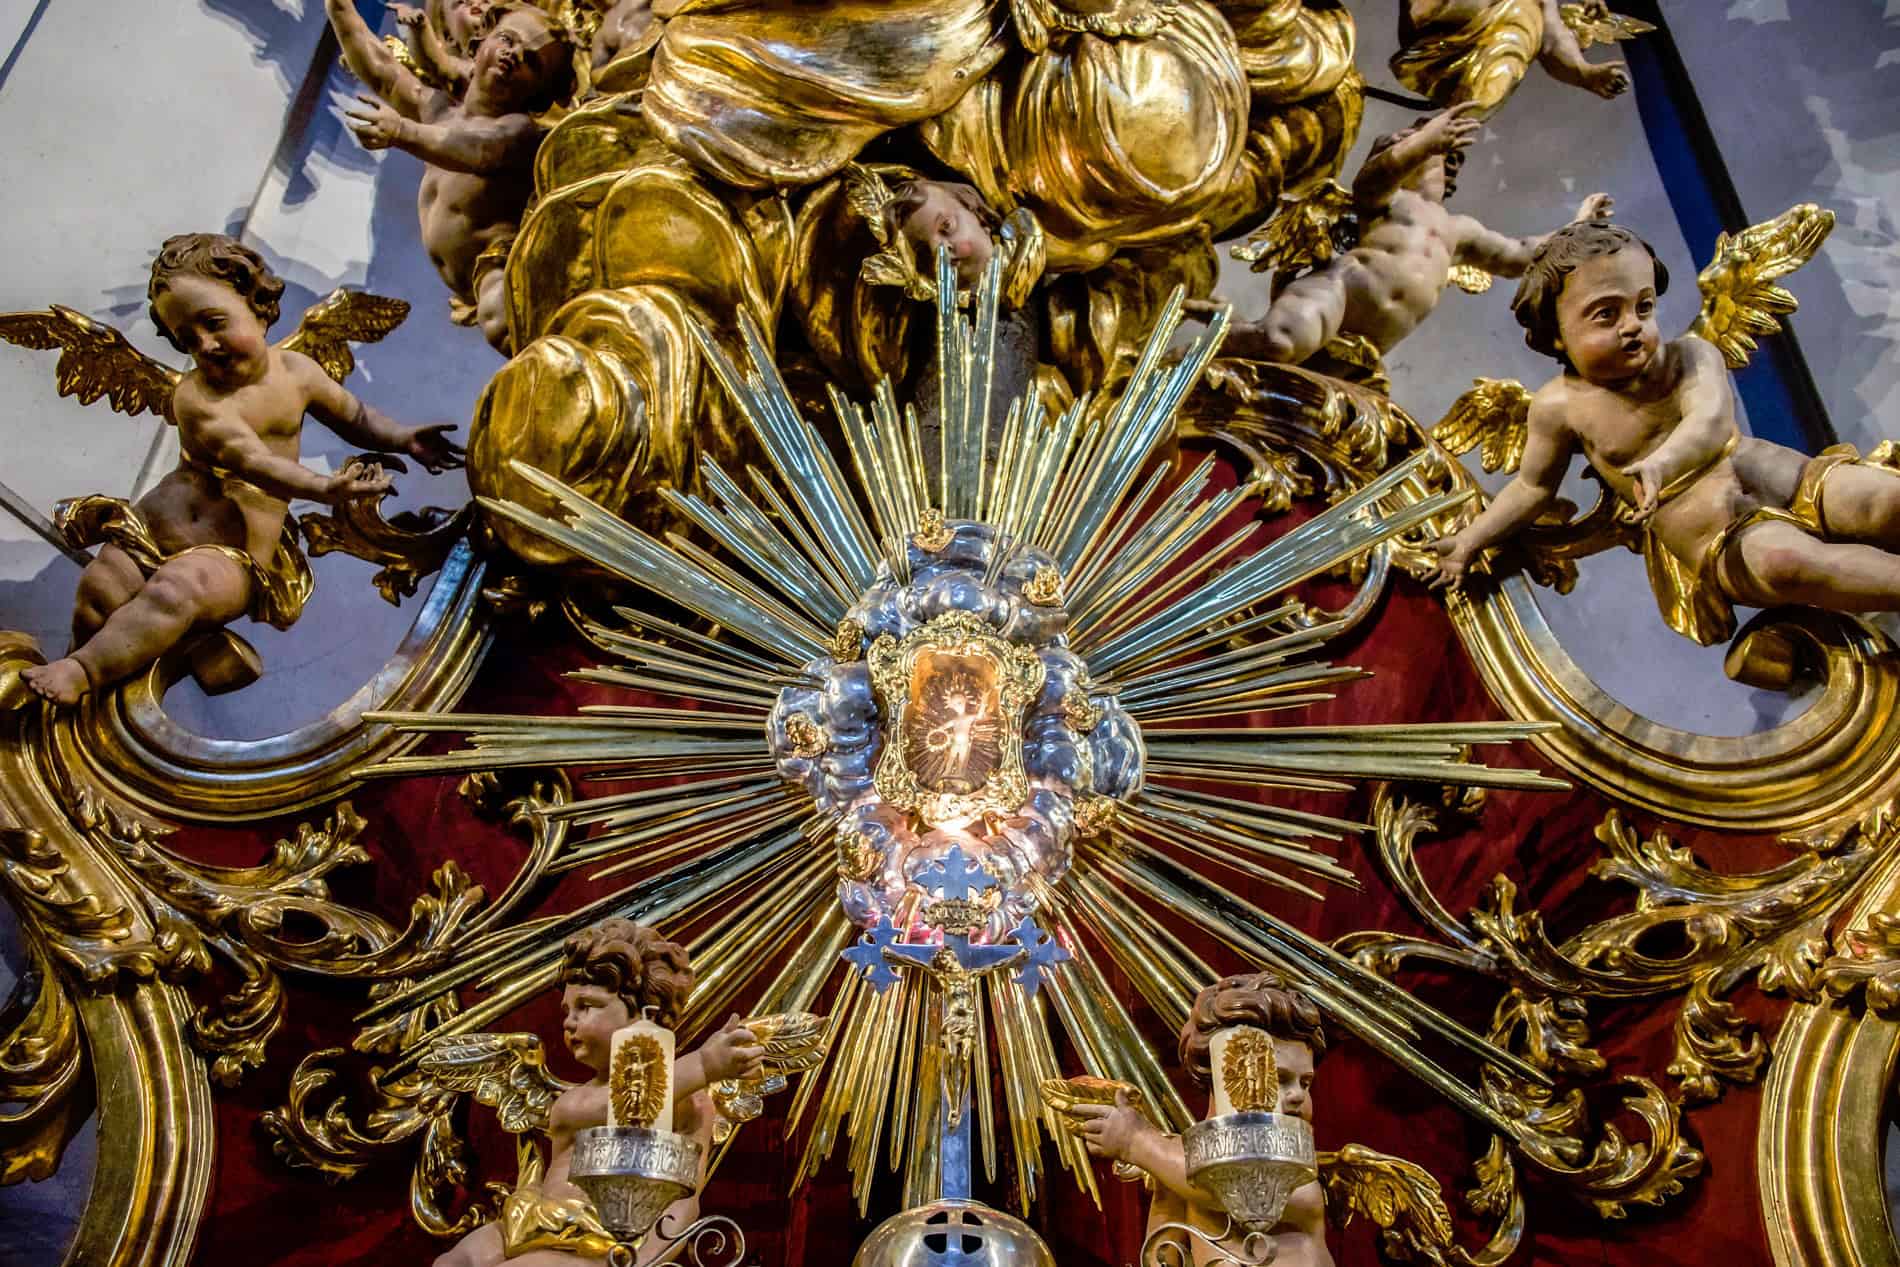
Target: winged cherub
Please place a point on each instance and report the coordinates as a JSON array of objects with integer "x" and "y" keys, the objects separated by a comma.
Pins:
[
  {"x": 611, "y": 974},
  {"x": 1478, "y": 50},
  {"x": 213, "y": 540},
  {"x": 479, "y": 149},
  {"x": 1725, "y": 518},
  {"x": 439, "y": 38},
  {"x": 1409, "y": 247}
]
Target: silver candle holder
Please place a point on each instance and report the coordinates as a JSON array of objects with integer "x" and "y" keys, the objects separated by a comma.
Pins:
[
  {"x": 1251, "y": 1163},
  {"x": 632, "y": 1174}
]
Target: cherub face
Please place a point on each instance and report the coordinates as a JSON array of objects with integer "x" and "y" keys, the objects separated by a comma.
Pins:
[
  {"x": 518, "y": 61},
  {"x": 591, "y": 1014},
  {"x": 1295, "y": 1062},
  {"x": 217, "y": 327},
  {"x": 463, "y": 21},
  {"x": 1606, "y": 316},
  {"x": 943, "y": 220}
]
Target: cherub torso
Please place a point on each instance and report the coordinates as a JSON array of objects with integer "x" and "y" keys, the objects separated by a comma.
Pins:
[
  {"x": 1395, "y": 274},
  {"x": 1616, "y": 429},
  {"x": 580, "y": 1107},
  {"x": 197, "y": 503},
  {"x": 461, "y": 213}
]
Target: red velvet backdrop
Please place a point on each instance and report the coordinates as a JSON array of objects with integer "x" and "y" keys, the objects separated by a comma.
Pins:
[{"x": 261, "y": 1213}]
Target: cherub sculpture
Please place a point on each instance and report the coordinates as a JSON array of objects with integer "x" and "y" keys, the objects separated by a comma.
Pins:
[
  {"x": 213, "y": 540},
  {"x": 479, "y": 149},
  {"x": 611, "y": 974},
  {"x": 1724, "y": 518},
  {"x": 913, "y": 218},
  {"x": 1409, "y": 247},
  {"x": 438, "y": 40},
  {"x": 1120, "y": 1132},
  {"x": 1476, "y": 51}
]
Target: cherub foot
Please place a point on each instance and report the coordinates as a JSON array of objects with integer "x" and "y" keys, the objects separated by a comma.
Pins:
[
  {"x": 1611, "y": 79},
  {"x": 64, "y": 682}
]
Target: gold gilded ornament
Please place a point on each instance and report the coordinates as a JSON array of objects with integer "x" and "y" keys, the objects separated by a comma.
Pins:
[
  {"x": 847, "y": 641},
  {"x": 637, "y": 1086},
  {"x": 933, "y": 532},
  {"x": 1248, "y": 1072},
  {"x": 858, "y": 859},
  {"x": 1045, "y": 587},
  {"x": 804, "y": 736}
]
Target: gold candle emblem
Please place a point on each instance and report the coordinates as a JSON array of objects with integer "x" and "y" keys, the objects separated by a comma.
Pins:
[
  {"x": 640, "y": 1078},
  {"x": 1246, "y": 1080}
]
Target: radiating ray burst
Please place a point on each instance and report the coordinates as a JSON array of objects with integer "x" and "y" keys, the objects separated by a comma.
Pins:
[{"x": 1181, "y": 621}]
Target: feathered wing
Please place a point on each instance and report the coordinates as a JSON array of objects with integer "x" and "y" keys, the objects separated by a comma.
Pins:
[
  {"x": 1495, "y": 413},
  {"x": 344, "y": 317},
  {"x": 1739, "y": 297},
  {"x": 1398, "y": 1196},
  {"x": 1602, "y": 27},
  {"x": 793, "y": 1041},
  {"x": 1301, "y": 234},
  {"x": 507, "y": 1072},
  {"x": 95, "y": 360}
]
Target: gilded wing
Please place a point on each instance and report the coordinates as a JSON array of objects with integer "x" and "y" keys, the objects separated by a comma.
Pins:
[
  {"x": 1471, "y": 279},
  {"x": 1494, "y": 413},
  {"x": 793, "y": 1041},
  {"x": 1739, "y": 297},
  {"x": 1300, "y": 234},
  {"x": 96, "y": 360},
  {"x": 507, "y": 1072},
  {"x": 1401, "y": 1198},
  {"x": 344, "y": 317},
  {"x": 1594, "y": 24},
  {"x": 868, "y": 196}
]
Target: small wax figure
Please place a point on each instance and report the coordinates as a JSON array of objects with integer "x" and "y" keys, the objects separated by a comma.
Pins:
[
  {"x": 1408, "y": 245},
  {"x": 1264, "y": 1001},
  {"x": 611, "y": 975},
  {"x": 205, "y": 546},
  {"x": 1726, "y": 518},
  {"x": 1456, "y": 51},
  {"x": 479, "y": 149},
  {"x": 441, "y": 38}
]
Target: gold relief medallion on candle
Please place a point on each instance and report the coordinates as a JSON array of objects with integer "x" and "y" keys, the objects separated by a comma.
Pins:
[
  {"x": 1245, "y": 1074},
  {"x": 641, "y": 1079}
]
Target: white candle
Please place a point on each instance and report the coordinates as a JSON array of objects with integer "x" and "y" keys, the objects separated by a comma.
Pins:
[
  {"x": 640, "y": 1077},
  {"x": 1245, "y": 1078}
]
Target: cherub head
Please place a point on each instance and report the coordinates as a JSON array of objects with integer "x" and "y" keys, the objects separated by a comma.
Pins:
[
  {"x": 461, "y": 23},
  {"x": 610, "y": 975},
  {"x": 1437, "y": 177},
  {"x": 524, "y": 63},
  {"x": 932, "y": 213},
  {"x": 215, "y": 299},
  {"x": 1266, "y": 1001},
  {"x": 1589, "y": 300}
]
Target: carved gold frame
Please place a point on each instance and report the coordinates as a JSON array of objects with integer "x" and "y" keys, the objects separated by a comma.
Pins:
[{"x": 1018, "y": 673}]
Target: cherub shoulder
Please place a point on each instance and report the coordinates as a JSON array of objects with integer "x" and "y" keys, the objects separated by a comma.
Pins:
[{"x": 579, "y": 1106}]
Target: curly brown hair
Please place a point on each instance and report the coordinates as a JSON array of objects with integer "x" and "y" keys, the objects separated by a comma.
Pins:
[
  {"x": 633, "y": 963},
  {"x": 222, "y": 258},
  {"x": 1535, "y": 304},
  {"x": 1265, "y": 999}
]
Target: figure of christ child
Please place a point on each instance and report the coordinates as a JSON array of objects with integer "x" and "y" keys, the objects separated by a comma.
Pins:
[
  {"x": 1408, "y": 244},
  {"x": 1726, "y": 518},
  {"x": 1119, "y": 1132},
  {"x": 479, "y": 150},
  {"x": 611, "y": 975},
  {"x": 442, "y": 36},
  {"x": 217, "y": 519}
]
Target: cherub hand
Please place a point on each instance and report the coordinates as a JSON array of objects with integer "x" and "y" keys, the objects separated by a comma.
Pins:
[
  {"x": 432, "y": 447},
  {"x": 406, "y": 14},
  {"x": 1649, "y": 478},
  {"x": 1607, "y": 79},
  {"x": 1453, "y": 562},
  {"x": 376, "y": 126},
  {"x": 354, "y": 479},
  {"x": 1202, "y": 309},
  {"x": 1596, "y": 207},
  {"x": 1112, "y": 1131},
  {"x": 1452, "y": 129},
  {"x": 734, "y": 1052}
]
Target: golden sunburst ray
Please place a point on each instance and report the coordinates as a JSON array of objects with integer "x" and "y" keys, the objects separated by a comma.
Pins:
[{"x": 808, "y": 587}]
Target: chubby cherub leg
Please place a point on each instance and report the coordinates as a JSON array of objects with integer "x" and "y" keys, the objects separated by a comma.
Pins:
[
  {"x": 1563, "y": 60},
  {"x": 480, "y": 1248},
  {"x": 196, "y": 589},
  {"x": 1775, "y": 564},
  {"x": 1862, "y": 503},
  {"x": 109, "y": 582},
  {"x": 1301, "y": 321}
]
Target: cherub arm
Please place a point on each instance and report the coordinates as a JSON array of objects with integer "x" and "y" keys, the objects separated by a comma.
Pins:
[
  {"x": 1382, "y": 175},
  {"x": 1707, "y": 424},
  {"x": 1507, "y": 256},
  {"x": 1122, "y": 1133},
  {"x": 339, "y": 409},
  {"x": 478, "y": 146},
  {"x": 433, "y": 50},
  {"x": 1547, "y": 452},
  {"x": 374, "y": 64},
  {"x": 733, "y": 1052},
  {"x": 231, "y": 445}
]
